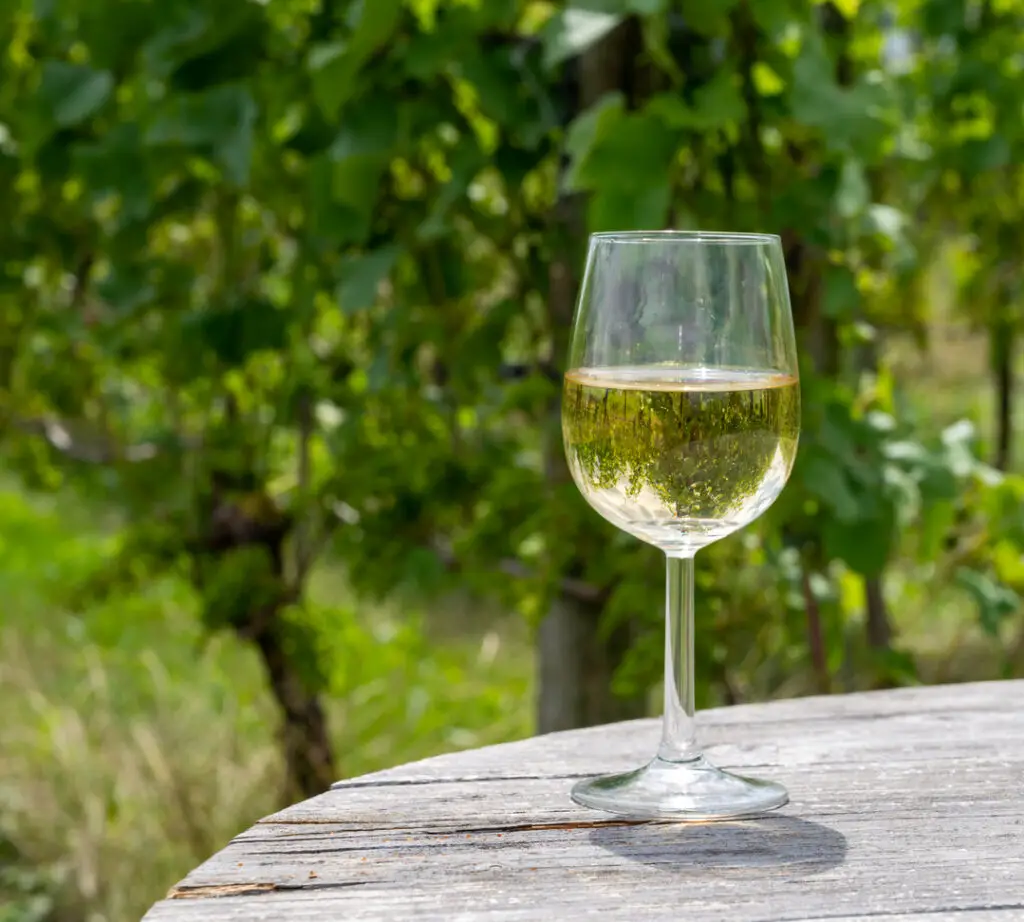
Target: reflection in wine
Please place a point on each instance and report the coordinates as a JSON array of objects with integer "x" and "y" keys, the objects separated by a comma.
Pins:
[{"x": 680, "y": 456}]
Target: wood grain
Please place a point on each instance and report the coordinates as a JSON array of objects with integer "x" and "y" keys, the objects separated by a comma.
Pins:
[{"x": 906, "y": 805}]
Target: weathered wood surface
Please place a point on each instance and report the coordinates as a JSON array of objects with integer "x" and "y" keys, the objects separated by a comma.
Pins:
[{"x": 907, "y": 806}]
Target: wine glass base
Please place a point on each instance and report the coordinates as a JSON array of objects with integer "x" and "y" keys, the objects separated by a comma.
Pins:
[{"x": 690, "y": 791}]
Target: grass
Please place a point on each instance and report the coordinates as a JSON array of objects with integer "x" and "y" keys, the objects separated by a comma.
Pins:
[{"x": 132, "y": 747}]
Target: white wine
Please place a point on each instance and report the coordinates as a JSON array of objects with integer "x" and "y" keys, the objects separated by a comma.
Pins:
[{"x": 680, "y": 456}]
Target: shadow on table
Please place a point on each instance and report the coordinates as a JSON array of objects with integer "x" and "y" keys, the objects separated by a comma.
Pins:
[{"x": 744, "y": 845}]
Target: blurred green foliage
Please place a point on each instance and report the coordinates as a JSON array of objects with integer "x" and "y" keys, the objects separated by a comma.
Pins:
[
  {"x": 138, "y": 743},
  {"x": 288, "y": 281}
]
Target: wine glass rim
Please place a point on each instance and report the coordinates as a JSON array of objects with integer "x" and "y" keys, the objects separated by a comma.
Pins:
[{"x": 686, "y": 236}]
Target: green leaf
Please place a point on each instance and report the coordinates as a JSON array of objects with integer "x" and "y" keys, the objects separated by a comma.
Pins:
[
  {"x": 584, "y": 132},
  {"x": 234, "y": 332},
  {"x": 643, "y": 208},
  {"x": 466, "y": 162},
  {"x": 841, "y": 297},
  {"x": 716, "y": 104},
  {"x": 849, "y": 118},
  {"x": 671, "y": 109},
  {"x": 125, "y": 290},
  {"x": 981, "y": 154},
  {"x": 766, "y": 81},
  {"x": 995, "y": 602},
  {"x": 429, "y": 53},
  {"x": 229, "y": 47},
  {"x": 71, "y": 93},
  {"x": 115, "y": 164},
  {"x": 887, "y": 221},
  {"x": 333, "y": 66},
  {"x": 772, "y": 15},
  {"x": 646, "y": 7},
  {"x": 359, "y": 155},
  {"x": 329, "y": 222},
  {"x": 570, "y": 32},
  {"x": 710, "y": 17},
  {"x": 903, "y": 492},
  {"x": 825, "y": 479},
  {"x": 360, "y": 276},
  {"x": 937, "y": 521},
  {"x": 1004, "y": 506},
  {"x": 355, "y": 182},
  {"x": 627, "y": 166},
  {"x": 906, "y": 452},
  {"x": 177, "y": 41},
  {"x": 371, "y": 128},
  {"x": 631, "y": 152},
  {"x": 853, "y": 193},
  {"x": 815, "y": 97},
  {"x": 720, "y": 102},
  {"x": 880, "y": 422},
  {"x": 838, "y": 433},
  {"x": 332, "y": 70},
  {"x": 219, "y": 121},
  {"x": 373, "y": 22},
  {"x": 511, "y": 93},
  {"x": 864, "y": 546},
  {"x": 620, "y": 7},
  {"x": 657, "y": 32},
  {"x": 235, "y": 584}
]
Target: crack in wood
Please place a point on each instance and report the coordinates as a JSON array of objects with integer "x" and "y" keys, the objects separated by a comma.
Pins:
[
  {"x": 529, "y": 827},
  {"x": 471, "y": 779},
  {"x": 218, "y": 890},
  {"x": 923, "y": 914},
  {"x": 451, "y": 831}
]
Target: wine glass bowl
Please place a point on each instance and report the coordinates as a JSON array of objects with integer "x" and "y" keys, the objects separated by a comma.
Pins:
[
  {"x": 681, "y": 416},
  {"x": 680, "y": 456}
]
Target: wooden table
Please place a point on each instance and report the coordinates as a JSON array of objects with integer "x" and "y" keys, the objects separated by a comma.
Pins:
[{"x": 906, "y": 805}]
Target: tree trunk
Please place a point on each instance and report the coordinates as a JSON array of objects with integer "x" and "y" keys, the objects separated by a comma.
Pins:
[
  {"x": 806, "y": 263},
  {"x": 304, "y": 740},
  {"x": 309, "y": 762},
  {"x": 815, "y": 636},
  {"x": 576, "y": 667},
  {"x": 879, "y": 630},
  {"x": 1002, "y": 338},
  {"x": 575, "y": 660}
]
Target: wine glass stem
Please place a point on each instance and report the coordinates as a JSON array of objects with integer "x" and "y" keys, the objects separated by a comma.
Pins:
[{"x": 678, "y": 740}]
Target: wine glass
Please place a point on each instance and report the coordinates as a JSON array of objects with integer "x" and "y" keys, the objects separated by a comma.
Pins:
[{"x": 681, "y": 416}]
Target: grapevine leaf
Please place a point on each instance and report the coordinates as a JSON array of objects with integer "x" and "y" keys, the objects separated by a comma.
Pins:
[
  {"x": 360, "y": 277},
  {"x": 71, "y": 93},
  {"x": 570, "y": 32}
]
